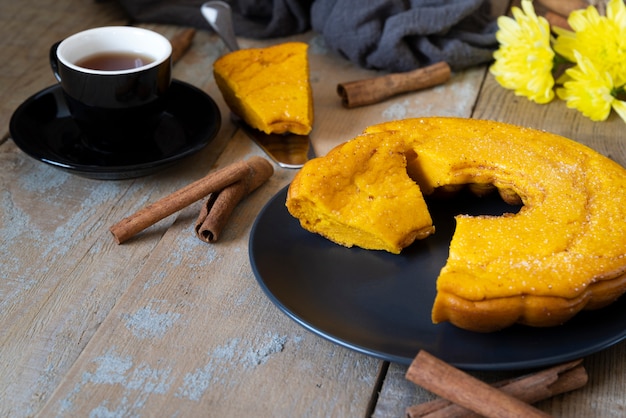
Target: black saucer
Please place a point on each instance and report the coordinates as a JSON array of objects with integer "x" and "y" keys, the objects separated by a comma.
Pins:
[{"x": 44, "y": 129}]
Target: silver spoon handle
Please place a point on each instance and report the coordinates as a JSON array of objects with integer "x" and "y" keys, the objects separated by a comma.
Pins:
[{"x": 219, "y": 16}]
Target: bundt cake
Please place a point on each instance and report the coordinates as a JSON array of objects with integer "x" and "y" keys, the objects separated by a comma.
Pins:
[{"x": 564, "y": 251}]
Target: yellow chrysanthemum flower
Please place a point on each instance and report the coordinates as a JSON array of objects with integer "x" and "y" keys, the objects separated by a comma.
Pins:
[
  {"x": 524, "y": 60},
  {"x": 601, "y": 39},
  {"x": 590, "y": 90}
]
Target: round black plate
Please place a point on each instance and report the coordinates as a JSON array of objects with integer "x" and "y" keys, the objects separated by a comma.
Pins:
[
  {"x": 379, "y": 304},
  {"x": 44, "y": 129}
]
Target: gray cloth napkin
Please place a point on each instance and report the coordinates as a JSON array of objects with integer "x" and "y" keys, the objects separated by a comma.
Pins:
[
  {"x": 401, "y": 35},
  {"x": 391, "y": 35}
]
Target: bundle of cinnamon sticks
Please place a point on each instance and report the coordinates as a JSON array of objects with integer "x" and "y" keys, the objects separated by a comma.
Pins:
[
  {"x": 225, "y": 188},
  {"x": 466, "y": 396}
]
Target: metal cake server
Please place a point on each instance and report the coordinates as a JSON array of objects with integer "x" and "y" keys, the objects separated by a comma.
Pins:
[
  {"x": 287, "y": 150},
  {"x": 219, "y": 16}
]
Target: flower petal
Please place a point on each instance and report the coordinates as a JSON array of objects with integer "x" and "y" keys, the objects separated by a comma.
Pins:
[
  {"x": 620, "y": 108},
  {"x": 524, "y": 60}
]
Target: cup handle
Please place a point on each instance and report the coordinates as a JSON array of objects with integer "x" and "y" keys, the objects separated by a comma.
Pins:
[{"x": 54, "y": 60}]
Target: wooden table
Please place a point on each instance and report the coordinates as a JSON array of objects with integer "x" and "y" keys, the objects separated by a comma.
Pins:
[{"x": 166, "y": 325}]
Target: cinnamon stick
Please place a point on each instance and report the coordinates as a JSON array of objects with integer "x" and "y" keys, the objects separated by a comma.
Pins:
[
  {"x": 557, "y": 20},
  {"x": 451, "y": 383},
  {"x": 217, "y": 209},
  {"x": 211, "y": 183},
  {"x": 181, "y": 42},
  {"x": 564, "y": 7},
  {"x": 531, "y": 388},
  {"x": 375, "y": 90}
]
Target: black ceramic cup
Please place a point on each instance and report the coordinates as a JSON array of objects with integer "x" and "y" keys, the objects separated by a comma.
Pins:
[{"x": 115, "y": 81}]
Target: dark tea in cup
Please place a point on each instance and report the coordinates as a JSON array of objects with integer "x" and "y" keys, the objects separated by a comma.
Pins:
[
  {"x": 115, "y": 81},
  {"x": 113, "y": 61}
]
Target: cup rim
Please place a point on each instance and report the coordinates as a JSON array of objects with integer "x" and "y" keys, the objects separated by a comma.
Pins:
[{"x": 159, "y": 39}]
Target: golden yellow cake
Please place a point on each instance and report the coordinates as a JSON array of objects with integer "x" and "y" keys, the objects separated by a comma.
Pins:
[
  {"x": 360, "y": 194},
  {"x": 269, "y": 87},
  {"x": 564, "y": 251}
]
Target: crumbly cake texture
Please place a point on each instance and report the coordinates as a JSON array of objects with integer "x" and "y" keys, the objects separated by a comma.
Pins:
[
  {"x": 563, "y": 252},
  {"x": 268, "y": 88},
  {"x": 360, "y": 194}
]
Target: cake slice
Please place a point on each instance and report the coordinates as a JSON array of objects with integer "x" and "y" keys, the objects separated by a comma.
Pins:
[
  {"x": 360, "y": 194},
  {"x": 269, "y": 87}
]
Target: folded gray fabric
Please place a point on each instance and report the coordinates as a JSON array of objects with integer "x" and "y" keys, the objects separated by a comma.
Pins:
[
  {"x": 391, "y": 35},
  {"x": 399, "y": 35}
]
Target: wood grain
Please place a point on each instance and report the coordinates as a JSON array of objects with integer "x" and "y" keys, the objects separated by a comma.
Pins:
[{"x": 169, "y": 325}]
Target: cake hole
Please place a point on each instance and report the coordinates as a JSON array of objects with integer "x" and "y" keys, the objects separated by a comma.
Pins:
[
  {"x": 474, "y": 200},
  {"x": 449, "y": 202}
]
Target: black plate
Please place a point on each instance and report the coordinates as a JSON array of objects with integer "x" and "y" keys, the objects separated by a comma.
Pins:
[
  {"x": 43, "y": 128},
  {"x": 379, "y": 304}
]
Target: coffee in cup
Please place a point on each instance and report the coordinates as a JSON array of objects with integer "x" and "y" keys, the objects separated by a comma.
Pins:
[{"x": 115, "y": 80}]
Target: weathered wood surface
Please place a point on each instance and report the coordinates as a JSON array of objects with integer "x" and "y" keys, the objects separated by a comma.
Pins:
[{"x": 167, "y": 325}]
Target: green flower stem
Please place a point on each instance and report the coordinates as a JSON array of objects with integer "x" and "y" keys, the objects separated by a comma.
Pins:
[{"x": 619, "y": 93}]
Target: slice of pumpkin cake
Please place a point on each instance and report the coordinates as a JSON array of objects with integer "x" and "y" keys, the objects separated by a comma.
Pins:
[
  {"x": 360, "y": 194},
  {"x": 269, "y": 87}
]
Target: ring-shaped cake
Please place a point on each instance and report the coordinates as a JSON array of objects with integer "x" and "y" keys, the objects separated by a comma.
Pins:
[{"x": 562, "y": 252}]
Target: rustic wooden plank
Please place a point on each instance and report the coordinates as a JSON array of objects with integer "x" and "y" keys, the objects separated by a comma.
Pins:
[
  {"x": 61, "y": 272},
  {"x": 194, "y": 326},
  {"x": 56, "y": 295},
  {"x": 37, "y": 346}
]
